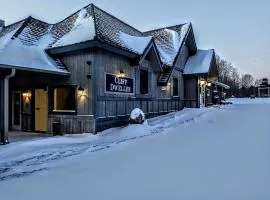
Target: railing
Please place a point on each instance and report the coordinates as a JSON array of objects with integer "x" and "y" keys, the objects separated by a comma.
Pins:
[
  {"x": 115, "y": 111},
  {"x": 120, "y": 107},
  {"x": 190, "y": 103}
]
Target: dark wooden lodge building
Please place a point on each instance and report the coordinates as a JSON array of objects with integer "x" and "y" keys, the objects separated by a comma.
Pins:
[{"x": 89, "y": 71}]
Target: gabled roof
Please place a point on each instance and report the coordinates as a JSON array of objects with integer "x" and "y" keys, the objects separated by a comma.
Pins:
[
  {"x": 169, "y": 41},
  {"x": 90, "y": 24},
  {"x": 22, "y": 46},
  {"x": 200, "y": 63}
]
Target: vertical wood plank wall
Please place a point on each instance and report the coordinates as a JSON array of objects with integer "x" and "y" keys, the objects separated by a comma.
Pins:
[
  {"x": 83, "y": 120},
  {"x": 114, "y": 109}
]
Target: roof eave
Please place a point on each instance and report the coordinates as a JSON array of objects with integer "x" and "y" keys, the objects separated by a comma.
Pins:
[
  {"x": 23, "y": 68},
  {"x": 88, "y": 45}
]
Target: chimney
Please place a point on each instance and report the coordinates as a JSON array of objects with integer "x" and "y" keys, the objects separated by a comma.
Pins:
[{"x": 2, "y": 24}]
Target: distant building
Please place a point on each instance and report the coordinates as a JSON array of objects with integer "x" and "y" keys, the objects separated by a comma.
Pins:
[{"x": 264, "y": 88}]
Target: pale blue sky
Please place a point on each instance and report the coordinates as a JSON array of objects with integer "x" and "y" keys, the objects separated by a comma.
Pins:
[{"x": 238, "y": 30}]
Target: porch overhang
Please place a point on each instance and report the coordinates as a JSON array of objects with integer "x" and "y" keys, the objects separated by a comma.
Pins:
[
  {"x": 220, "y": 84},
  {"x": 22, "y": 68}
]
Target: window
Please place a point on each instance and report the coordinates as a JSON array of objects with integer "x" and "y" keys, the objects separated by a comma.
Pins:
[
  {"x": 143, "y": 81},
  {"x": 64, "y": 99},
  {"x": 175, "y": 87}
]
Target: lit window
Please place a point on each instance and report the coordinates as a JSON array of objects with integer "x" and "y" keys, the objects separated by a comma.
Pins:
[{"x": 64, "y": 99}]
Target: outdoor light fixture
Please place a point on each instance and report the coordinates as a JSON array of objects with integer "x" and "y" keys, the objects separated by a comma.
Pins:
[
  {"x": 209, "y": 84},
  {"x": 202, "y": 82},
  {"x": 27, "y": 94},
  {"x": 80, "y": 90},
  {"x": 121, "y": 74},
  {"x": 169, "y": 84}
]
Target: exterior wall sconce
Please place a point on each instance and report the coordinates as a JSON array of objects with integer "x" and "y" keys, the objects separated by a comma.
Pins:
[
  {"x": 209, "y": 84},
  {"x": 80, "y": 91},
  {"x": 169, "y": 84},
  {"x": 27, "y": 96},
  {"x": 202, "y": 82},
  {"x": 121, "y": 74}
]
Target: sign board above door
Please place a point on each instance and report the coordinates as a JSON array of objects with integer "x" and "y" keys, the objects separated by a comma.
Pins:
[{"x": 121, "y": 85}]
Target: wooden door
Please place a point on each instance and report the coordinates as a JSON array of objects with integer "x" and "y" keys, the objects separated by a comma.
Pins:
[{"x": 41, "y": 110}]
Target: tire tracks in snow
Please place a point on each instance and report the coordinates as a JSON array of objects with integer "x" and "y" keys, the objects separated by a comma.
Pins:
[{"x": 31, "y": 163}]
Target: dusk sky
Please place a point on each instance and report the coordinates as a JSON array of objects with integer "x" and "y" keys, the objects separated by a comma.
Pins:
[{"x": 238, "y": 30}]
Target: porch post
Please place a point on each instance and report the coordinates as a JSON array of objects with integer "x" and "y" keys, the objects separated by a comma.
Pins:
[
  {"x": 94, "y": 88},
  {"x": 2, "y": 110},
  {"x": 4, "y": 113}
]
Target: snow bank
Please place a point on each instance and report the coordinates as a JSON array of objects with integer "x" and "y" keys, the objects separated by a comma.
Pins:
[
  {"x": 83, "y": 30},
  {"x": 39, "y": 155},
  {"x": 208, "y": 160},
  {"x": 137, "y": 116}
]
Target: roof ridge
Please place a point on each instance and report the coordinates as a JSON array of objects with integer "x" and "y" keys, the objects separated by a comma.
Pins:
[
  {"x": 15, "y": 23},
  {"x": 74, "y": 13},
  {"x": 116, "y": 18},
  {"x": 166, "y": 27}
]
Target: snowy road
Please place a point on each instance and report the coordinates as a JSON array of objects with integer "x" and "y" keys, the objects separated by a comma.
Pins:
[{"x": 198, "y": 154}]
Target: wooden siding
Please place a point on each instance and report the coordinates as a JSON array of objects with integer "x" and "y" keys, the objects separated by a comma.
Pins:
[
  {"x": 72, "y": 124},
  {"x": 111, "y": 63},
  {"x": 182, "y": 58},
  {"x": 77, "y": 65},
  {"x": 114, "y": 109},
  {"x": 191, "y": 92}
]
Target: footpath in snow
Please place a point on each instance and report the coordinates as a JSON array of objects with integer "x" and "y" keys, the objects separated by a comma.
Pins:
[{"x": 21, "y": 159}]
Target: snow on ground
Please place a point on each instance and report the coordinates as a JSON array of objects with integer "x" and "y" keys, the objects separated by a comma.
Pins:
[
  {"x": 21, "y": 159},
  {"x": 247, "y": 101},
  {"x": 210, "y": 153}
]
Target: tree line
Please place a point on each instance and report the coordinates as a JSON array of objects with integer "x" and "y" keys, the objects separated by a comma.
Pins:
[{"x": 242, "y": 85}]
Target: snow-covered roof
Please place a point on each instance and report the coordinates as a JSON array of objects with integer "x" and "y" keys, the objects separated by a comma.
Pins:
[
  {"x": 83, "y": 30},
  {"x": 135, "y": 43},
  {"x": 200, "y": 63},
  {"x": 169, "y": 41},
  {"x": 25, "y": 49},
  {"x": 30, "y": 38},
  {"x": 221, "y": 84}
]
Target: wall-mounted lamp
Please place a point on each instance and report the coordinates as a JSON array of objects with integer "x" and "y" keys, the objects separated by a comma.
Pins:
[
  {"x": 80, "y": 91},
  {"x": 27, "y": 96},
  {"x": 202, "y": 82},
  {"x": 209, "y": 84},
  {"x": 169, "y": 84},
  {"x": 121, "y": 74}
]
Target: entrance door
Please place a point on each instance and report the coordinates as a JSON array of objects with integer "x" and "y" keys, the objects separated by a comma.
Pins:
[
  {"x": 16, "y": 110},
  {"x": 202, "y": 96},
  {"x": 41, "y": 110}
]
